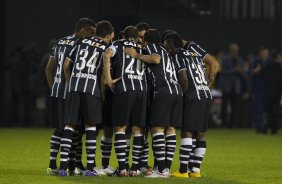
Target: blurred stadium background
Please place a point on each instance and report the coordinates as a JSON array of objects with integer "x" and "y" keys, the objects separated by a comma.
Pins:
[{"x": 28, "y": 29}]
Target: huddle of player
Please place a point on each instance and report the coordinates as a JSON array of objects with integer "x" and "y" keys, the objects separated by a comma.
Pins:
[{"x": 142, "y": 82}]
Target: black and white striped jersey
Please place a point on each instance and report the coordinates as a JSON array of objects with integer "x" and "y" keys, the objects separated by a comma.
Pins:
[
  {"x": 87, "y": 59},
  {"x": 197, "y": 83},
  {"x": 131, "y": 70},
  {"x": 163, "y": 75},
  {"x": 60, "y": 51},
  {"x": 194, "y": 47}
]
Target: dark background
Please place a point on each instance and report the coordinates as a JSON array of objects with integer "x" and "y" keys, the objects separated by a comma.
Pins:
[{"x": 30, "y": 24}]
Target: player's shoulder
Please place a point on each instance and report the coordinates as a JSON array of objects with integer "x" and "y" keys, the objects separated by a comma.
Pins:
[{"x": 69, "y": 40}]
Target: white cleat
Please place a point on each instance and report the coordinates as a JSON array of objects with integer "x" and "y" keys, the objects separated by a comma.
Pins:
[{"x": 107, "y": 171}]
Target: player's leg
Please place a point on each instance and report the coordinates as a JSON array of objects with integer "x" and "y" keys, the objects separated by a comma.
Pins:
[
  {"x": 120, "y": 115},
  {"x": 138, "y": 141},
  {"x": 202, "y": 123},
  {"x": 106, "y": 140},
  {"x": 106, "y": 149},
  {"x": 127, "y": 149},
  {"x": 66, "y": 141},
  {"x": 175, "y": 110},
  {"x": 170, "y": 140},
  {"x": 55, "y": 138},
  {"x": 184, "y": 154},
  {"x": 92, "y": 114}
]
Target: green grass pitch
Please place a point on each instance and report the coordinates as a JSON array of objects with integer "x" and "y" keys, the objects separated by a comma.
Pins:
[{"x": 233, "y": 156}]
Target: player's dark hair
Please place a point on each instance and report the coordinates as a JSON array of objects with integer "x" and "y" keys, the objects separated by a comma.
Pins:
[
  {"x": 121, "y": 35},
  {"x": 141, "y": 26},
  {"x": 168, "y": 31},
  {"x": 84, "y": 23},
  {"x": 152, "y": 36},
  {"x": 174, "y": 42},
  {"x": 131, "y": 32},
  {"x": 104, "y": 28}
]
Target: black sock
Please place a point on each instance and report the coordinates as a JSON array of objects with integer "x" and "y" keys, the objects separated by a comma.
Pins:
[
  {"x": 170, "y": 149},
  {"x": 199, "y": 155},
  {"x": 106, "y": 149},
  {"x": 78, "y": 154},
  {"x": 120, "y": 145},
  {"x": 127, "y": 150},
  {"x": 184, "y": 154},
  {"x": 66, "y": 142},
  {"x": 145, "y": 153},
  {"x": 191, "y": 158},
  {"x": 137, "y": 151},
  {"x": 159, "y": 149},
  {"x": 54, "y": 147},
  {"x": 90, "y": 144}
]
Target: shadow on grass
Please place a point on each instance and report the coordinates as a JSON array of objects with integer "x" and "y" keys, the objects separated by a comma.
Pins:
[{"x": 142, "y": 180}]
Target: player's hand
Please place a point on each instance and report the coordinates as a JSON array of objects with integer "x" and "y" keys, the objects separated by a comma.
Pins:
[
  {"x": 131, "y": 52},
  {"x": 112, "y": 83}
]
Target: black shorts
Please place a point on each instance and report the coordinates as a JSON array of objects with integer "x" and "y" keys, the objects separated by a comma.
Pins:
[
  {"x": 58, "y": 113},
  {"x": 196, "y": 115},
  {"x": 83, "y": 107},
  {"x": 129, "y": 108},
  {"x": 166, "y": 110},
  {"x": 107, "y": 109}
]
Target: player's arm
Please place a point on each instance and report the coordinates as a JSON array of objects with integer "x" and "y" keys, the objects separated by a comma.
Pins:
[
  {"x": 151, "y": 59},
  {"x": 183, "y": 80},
  {"x": 50, "y": 71},
  {"x": 109, "y": 53},
  {"x": 103, "y": 86},
  {"x": 213, "y": 67},
  {"x": 67, "y": 68}
]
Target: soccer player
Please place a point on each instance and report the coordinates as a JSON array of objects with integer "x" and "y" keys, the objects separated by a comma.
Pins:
[
  {"x": 144, "y": 168},
  {"x": 129, "y": 101},
  {"x": 106, "y": 140},
  {"x": 142, "y": 28},
  {"x": 84, "y": 92},
  {"x": 56, "y": 81},
  {"x": 167, "y": 104},
  {"x": 192, "y": 46},
  {"x": 197, "y": 98}
]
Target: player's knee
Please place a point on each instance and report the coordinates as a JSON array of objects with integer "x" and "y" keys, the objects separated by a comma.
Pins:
[
  {"x": 201, "y": 136},
  {"x": 186, "y": 135},
  {"x": 137, "y": 130},
  {"x": 170, "y": 130}
]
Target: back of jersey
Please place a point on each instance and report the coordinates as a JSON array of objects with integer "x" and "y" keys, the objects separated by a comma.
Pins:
[
  {"x": 197, "y": 83},
  {"x": 163, "y": 74},
  {"x": 86, "y": 72},
  {"x": 60, "y": 51},
  {"x": 131, "y": 70}
]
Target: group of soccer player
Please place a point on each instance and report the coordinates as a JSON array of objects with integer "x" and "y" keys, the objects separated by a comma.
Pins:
[{"x": 141, "y": 83}]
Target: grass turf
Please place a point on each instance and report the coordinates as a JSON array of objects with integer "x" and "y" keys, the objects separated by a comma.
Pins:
[{"x": 233, "y": 156}]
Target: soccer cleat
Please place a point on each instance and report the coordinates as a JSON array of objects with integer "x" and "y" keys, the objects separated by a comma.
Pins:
[
  {"x": 63, "y": 173},
  {"x": 133, "y": 173},
  {"x": 52, "y": 172},
  {"x": 91, "y": 173},
  {"x": 195, "y": 174},
  {"x": 117, "y": 173},
  {"x": 78, "y": 171},
  {"x": 178, "y": 174},
  {"x": 70, "y": 172},
  {"x": 164, "y": 174},
  {"x": 146, "y": 170},
  {"x": 107, "y": 171}
]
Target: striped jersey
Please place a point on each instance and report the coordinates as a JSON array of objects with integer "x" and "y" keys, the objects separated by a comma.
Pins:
[
  {"x": 163, "y": 75},
  {"x": 131, "y": 70},
  {"x": 197, "y": 83},
  {"x": 87, "y": 59},
  {"x": 194, "y": 47},
  {"x": 60, "y": 51}
]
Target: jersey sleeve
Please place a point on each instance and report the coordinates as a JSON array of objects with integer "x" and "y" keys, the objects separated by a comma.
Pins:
[
  {"x": 194, "y": 47},
  {"x": 114, "y": 47},
  {"x": 179, "y": 62}
]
